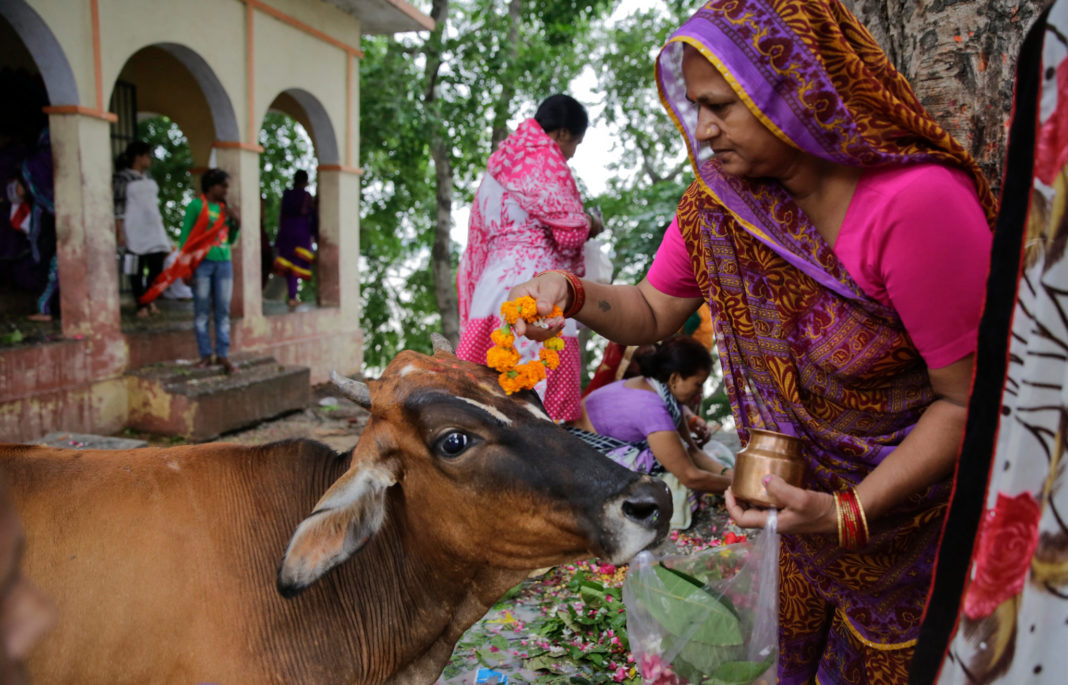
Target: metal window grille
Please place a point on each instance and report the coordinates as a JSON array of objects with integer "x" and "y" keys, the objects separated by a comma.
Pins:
[{"x": 124, "y": 105}]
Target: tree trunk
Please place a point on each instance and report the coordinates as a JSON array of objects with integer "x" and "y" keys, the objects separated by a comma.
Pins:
[
  {"x": 960, "y": 57},
  {"x": 503, "y": 108},
  {"x": 440, "y": 261},
  {"x": 444, "y": 280}
]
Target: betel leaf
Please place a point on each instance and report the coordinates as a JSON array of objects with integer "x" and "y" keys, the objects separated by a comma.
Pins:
[
  {"x": 739, "y": 672},
  {"x": 697, "y": 582},
  {"x": 682, "y": 574},
  {"x": 684, "y": 609}
]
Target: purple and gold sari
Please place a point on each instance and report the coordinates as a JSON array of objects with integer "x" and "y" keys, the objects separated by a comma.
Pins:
[{"x": 804, "y": 350}]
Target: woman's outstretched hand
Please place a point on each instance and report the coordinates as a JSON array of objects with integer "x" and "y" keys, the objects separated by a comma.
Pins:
[
  {"x": 547, "y": 289},
  {"x": 802, "y": 511}
]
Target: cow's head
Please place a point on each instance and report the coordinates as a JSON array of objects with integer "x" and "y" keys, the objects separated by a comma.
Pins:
[{"x": 485, "y": 479}]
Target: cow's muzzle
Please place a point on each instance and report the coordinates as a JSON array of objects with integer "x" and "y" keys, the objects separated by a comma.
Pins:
[{"x": 637, "y": 518}]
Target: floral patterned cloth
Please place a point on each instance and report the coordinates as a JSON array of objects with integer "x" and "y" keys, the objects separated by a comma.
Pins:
[
  {"x": 998, "y": 608},
  {"x": 527, "y": 217}
]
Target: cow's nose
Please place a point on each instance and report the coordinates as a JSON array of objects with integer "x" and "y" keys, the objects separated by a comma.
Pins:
[{"x": 649, "y": 504}]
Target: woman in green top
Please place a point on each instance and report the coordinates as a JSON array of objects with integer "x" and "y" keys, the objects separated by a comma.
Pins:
[{"x": 213, "y": 280}]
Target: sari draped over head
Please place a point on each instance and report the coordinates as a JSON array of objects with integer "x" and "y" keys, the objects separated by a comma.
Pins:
[{"x": 804, "y": 350}]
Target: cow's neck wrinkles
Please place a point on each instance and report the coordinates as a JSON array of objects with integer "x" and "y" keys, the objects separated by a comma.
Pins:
[{"x": 391, "y": 603}]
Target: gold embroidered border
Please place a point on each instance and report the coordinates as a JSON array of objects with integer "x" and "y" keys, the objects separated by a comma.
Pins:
[{"x": 881, "y": 647}]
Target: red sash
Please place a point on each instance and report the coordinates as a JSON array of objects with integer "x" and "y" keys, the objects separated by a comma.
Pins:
[
  {"x": 19, "y": 216},
  {"x": 201, "y": 238}
]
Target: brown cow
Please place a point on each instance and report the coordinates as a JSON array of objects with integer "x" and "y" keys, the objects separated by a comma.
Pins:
[
  {"x": 163, "y": 562},
  {"x": 25, "y": 614}
]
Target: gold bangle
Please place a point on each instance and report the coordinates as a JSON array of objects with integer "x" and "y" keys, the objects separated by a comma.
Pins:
[
  {"x": 838, "y": 518},
  {"x": 863, "y": 516}
]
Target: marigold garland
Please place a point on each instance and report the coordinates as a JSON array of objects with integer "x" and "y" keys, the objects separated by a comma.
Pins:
[{"x": 503, "y": 356}]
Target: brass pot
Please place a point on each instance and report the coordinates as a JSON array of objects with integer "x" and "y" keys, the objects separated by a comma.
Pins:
[{"x": 767, "y": 453}]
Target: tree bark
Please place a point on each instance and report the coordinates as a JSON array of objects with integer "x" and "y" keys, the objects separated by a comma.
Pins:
[
  {"x": 440, "y": 261},
  {"x": 503, "y": 108},
  {"x": 960, "y": 57}
]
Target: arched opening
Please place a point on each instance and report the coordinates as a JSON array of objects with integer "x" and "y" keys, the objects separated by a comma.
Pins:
[
  {"x": 34, "y": 74},
  {"x": 167, "y": 97},
  {"x": 296, "y": 135}
]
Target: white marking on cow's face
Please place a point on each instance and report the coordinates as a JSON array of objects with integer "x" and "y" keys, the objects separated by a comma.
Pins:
[
  {"x": 534, "y": 409},
  {"x": 173, "y": 465},
  {"x": 492, "y": 411},
  {"x": 411, "y": 368}
]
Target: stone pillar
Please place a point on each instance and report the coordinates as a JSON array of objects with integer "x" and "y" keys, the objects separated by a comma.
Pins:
[
  {"x": 339, "y": 241},
  {"x": 243, "y": 164},
  {"x": 85, "y": 229}
]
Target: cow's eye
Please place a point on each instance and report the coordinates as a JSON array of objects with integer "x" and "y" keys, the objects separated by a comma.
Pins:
[{"x": 453, "y": 443}]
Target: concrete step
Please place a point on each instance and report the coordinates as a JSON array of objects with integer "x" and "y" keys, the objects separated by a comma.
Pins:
[{"x": 175, "y": 398}]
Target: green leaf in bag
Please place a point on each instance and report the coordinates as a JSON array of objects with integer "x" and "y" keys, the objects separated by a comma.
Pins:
[
  {"x": 677, "y": 604},
  {"x": 739, "y": 672},
  {"x": 696, "y": 661},
  {"x": 724, "y": 599}
]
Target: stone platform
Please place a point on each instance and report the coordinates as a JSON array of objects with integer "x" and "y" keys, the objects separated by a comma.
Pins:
[
  {"x": 86, "y": 441},
  {"x": 175, "y": 398}
]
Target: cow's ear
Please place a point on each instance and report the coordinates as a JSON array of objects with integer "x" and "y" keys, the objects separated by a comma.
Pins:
[{"x": 346, "y": 517}]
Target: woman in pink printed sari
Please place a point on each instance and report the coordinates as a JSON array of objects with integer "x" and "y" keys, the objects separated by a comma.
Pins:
[{"x": 527, "y": 218}]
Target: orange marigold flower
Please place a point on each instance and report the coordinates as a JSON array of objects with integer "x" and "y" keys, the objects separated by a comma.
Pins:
[
  {"x": 509, "y": 381},
  {"x": 503, "y": 337},
  {"x": 550, "y": 357},
  {"x": 556, "y": 312},
  {"x": 554, "y": 343},
  {"x": 510, "y": 312},
  {"x": 502, "y": 358},
  {"x": 528, "y": 307},
  {"x": 533, "y": 371}
]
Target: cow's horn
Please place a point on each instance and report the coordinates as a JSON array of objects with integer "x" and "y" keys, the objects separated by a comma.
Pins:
[
  {"x": 354, "y": 390},
  {"x": 441, "y": 343}
]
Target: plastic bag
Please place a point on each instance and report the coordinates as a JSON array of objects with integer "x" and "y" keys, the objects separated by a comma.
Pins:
[
  {"x": 709, "y": 618},
  {"x": 598, "y": 265}
]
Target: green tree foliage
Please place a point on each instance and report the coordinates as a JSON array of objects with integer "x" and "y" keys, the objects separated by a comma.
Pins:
[
  {"x": 171, "y": 162},
  {"x": 651, "y": 171},
  {"x": 495, "y": 61}
]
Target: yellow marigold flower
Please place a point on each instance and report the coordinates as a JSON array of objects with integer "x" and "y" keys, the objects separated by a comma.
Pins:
[
  {"x": 503, "y": 337},
  {"x": 554, "y": 343},
  {"x": 550, "y": 357},
  {"x": 502, "y": 358}
]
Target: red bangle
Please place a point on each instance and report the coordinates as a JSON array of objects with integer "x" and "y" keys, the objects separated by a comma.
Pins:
[
  {"x": 852, "y": 523},
  {"x": 574, "y": 284}
]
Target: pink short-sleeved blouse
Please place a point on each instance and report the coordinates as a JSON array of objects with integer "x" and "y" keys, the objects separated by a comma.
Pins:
[{"x": 914, "y": 238}]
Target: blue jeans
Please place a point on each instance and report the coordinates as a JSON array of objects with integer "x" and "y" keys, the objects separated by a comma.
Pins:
[{"x": 213, "y": 288}]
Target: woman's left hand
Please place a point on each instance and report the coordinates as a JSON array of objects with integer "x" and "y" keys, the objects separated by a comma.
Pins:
[{"x": 802, "y": 511}]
